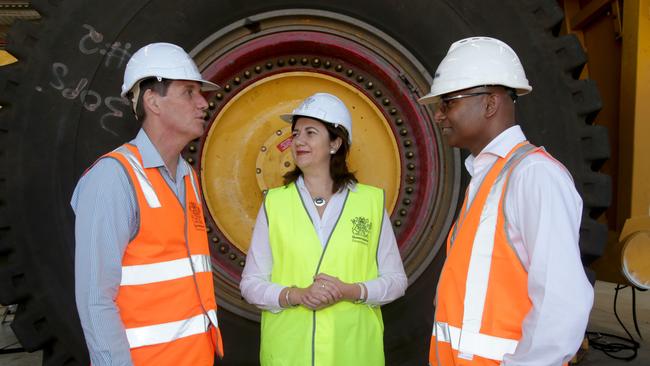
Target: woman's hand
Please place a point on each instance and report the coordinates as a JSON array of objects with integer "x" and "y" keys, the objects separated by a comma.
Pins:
[
  {"x": 318, "y": 295},
  {"x": 349, "y": 291}
]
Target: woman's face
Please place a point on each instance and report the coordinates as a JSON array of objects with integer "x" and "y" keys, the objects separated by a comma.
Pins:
[{"x": 311, "y": 144}]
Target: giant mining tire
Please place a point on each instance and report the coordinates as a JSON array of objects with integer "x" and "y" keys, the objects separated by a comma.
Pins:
[{"x": 62, "y": 110}]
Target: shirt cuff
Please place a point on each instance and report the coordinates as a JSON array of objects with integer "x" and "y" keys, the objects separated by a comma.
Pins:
[{"x": 272, "y": 298}]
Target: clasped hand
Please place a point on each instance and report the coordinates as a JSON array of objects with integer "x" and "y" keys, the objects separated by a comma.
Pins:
[{"x": 324, "y": 291}]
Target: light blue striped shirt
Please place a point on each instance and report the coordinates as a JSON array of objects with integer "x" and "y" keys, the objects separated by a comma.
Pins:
[{"x": 107, "y": 219}]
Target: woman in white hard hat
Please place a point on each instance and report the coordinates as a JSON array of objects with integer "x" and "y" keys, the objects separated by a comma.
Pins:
[{"x": 323, "y": 256}]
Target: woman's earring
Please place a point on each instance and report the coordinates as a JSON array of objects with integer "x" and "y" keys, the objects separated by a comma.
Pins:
[{"x": 332, "y": 151}]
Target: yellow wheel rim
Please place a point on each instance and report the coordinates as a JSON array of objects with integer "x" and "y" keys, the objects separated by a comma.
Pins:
[{"x": 234, "y": 178}]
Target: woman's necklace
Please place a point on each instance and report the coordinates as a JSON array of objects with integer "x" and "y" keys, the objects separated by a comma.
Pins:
[{"x": 319, "y": 201}]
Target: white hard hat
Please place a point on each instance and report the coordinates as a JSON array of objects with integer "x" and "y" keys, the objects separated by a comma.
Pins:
[
  {"x": 326, "y": 108},
  {"x": 163, "y": 61},
  {"x": 477, "y": 61}
]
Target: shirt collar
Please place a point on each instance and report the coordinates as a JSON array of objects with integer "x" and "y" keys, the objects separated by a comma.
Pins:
[
  {"x": 500, "y": 146},
  {"x": 300, "y": 183},
  {"x": 151, "y": 157}
]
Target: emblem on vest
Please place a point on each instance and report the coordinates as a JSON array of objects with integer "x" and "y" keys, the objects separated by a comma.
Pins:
[
  {"x": 361, "y": 230},
  {"x": 196, "y": 216}
]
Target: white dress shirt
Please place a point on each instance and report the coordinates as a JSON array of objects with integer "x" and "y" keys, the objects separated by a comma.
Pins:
[
  {"x": 256, "y": 285},
  {"x": 544, "y": 212}
]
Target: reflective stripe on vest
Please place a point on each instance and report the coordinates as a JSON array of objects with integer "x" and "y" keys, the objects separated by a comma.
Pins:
[
  {"x": 145, "y": 184},
  {"x": 163, "y": 271},
  {"x": 468, "y": 341},
  {"x": 483, "y": 345},
  {"x": 167, "y": 332}
]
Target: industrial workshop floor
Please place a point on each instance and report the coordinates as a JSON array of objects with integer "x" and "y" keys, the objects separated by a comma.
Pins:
[{"x": 602, "y": 320}]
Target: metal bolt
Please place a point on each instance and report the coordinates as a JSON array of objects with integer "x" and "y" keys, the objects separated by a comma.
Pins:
[
  {"x": 242, "y": 263},
  {"x": 410, "y": 166},
  {"x": 409, "y": 154},
  {"x": 338, "y": 68},
  {"x": 223, "y": 249},
  {"x": 378, "y": 93},
  {"x": 190, "y": 160},
  {"x": 327, "y": 64},
  {"x": 192, "y": 148},
  {"x": 258, "y": 69},
  {"x": 359, "y": 78},
  {"x": 385, "y": 101},
  {"x": 398, "y": 223},
  {"x": 227, "y": 87},
  {"x": 315, "y": 62},
  {"x": 287, "y": 164},
  {"x": 219, "y": 96},
  {"x": 408, "y": 143},
  {"x": 263, "y": 148},
  {"x": 349, "y": 72},
  {"x": 278, "y": 132},
  {"x": 403, "y": 132},
  {"x": 410, "y": 179},
  {"x": 292, "y": 61},
  {"x": 399, "y": 121},
  {"x": 392, "y": 111},
  {"x": 258, "y": 170},
  {"x": 370, "y": 85},
  {"x": 269, "y": 65},
  {"x": 208, "y": 229},
  {"x": 304, "y": 61},
  {"x": 237, "y": 80},
  {"x": 211, "y": 105},
  {"x": 232, "y": 256},
  {"x": 402, "y": 212},
  {"x": 247, "y": 74},
  {"x": 215, "y": 239},
  {"x": 406, "y": 201},
  {"x": 280, "y": 62},
  {"x": 409, "y": 190}
]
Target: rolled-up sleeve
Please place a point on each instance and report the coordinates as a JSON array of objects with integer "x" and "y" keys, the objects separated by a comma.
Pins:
[
  {"x": 256, "y": 286},
  {"x": 392, "y": 281},
  {"x": 106, "y": 219},
  {"x": 546, "y": 210}
]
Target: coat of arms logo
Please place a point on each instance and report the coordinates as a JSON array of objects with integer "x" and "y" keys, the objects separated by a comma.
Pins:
[{"x": 361, "y": 229}]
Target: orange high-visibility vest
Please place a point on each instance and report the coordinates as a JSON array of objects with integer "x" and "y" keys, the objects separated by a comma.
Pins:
[
  {"x": 166, "y": 296},
  {"x": 482, "y": 297}
]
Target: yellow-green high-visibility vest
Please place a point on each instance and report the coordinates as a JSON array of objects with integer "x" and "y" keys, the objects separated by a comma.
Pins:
[{"x": 342, "y": 334}]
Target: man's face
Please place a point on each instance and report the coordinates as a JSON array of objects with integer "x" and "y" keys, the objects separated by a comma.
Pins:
[
  {"x": 459, "y": 115},
  {"x": 182, "y": 110}
]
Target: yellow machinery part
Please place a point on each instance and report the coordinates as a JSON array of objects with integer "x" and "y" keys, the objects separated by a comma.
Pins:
[
  {"x": 6, "y": 58},
  {"x": 252, "y": 119}
]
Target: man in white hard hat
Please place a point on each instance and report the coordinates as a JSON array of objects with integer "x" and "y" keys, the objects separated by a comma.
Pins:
[
  {"x": 513, "y": 290},
  {"x": 143, "y": 279}
]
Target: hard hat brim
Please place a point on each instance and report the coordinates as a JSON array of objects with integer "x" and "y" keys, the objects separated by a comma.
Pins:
[{"x": 206, "y": 86}]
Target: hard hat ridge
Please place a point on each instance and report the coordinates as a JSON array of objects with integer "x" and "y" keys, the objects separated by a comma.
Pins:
[
  {"x": 324, "y": 107},
  {"x": 163, "y": 61},
  {"x": 478, "y": 61}
]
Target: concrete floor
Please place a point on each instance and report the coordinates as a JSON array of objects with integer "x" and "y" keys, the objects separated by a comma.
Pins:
[{"x": 602, "y": 320}]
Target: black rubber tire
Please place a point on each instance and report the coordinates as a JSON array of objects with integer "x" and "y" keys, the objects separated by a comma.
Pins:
[{"x": 49, "y": 135}]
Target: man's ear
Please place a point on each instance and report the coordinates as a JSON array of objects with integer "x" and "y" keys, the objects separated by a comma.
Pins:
[
  {"x": 494, "y": 102},
  {"x": 150, "y": 101}
]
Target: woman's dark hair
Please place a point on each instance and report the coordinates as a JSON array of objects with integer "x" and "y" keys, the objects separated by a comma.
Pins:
[
  {"x": 160, "y": 87},
  {"x": 338, "y": 166}
]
